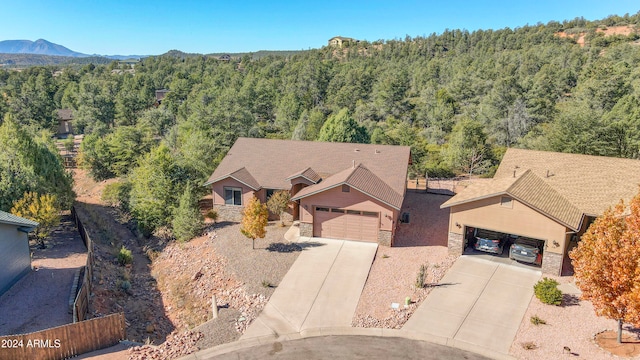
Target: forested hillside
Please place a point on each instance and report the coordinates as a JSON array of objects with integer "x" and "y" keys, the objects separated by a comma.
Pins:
[{"x": 458, "y": 99}]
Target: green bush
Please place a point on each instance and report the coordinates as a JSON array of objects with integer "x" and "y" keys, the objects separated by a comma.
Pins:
[
  {"x": 125, "y": 256},
  {"x": 547, "y": 291},
  {"x": 187, "y": 219},
  {"x": 117, "y": 194},
  {"x": 422, "y": 276},
  {"x": 535, "y": 320},
  {"x": 439, "y": 171}
]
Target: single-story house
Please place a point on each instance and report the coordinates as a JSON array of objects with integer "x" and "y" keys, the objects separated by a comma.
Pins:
[
  {"x": 65, "y": 117},
  {"x": 338, "y": 190},
  {"x": 545, "y": 196},
  {"x": 15, "y": 257}
]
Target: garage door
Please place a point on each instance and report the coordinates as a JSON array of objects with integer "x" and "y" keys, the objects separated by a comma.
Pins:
[{"x": 345, "y": 224}]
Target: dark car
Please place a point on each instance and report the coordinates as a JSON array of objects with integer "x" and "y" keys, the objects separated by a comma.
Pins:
[
  {"x": 489, "y": 241},
  {"x": 526, "y": 250}
]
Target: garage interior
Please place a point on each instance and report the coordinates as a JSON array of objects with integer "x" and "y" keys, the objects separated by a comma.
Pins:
[{"x": 506, "y": 239}]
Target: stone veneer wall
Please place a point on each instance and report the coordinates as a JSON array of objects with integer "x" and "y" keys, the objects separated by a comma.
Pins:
[
  {"x": 306, "y": 229},
  {"x": 455, "y": 244},
  {"x": 552, "y": 263},
  {"x": 384, "y": 237},
  {"x": 229, "y": 212}
]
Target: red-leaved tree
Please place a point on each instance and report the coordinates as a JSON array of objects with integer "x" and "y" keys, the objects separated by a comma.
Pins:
[{"x": 606, "y": 264}]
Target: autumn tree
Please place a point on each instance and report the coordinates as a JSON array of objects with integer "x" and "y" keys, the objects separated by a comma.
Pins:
[
  {"x": 255, "y": 217},
  {"x": 278, "y": 203},
  {"x": 41, "y": 209},
  {"x": 606, "y": 264}
]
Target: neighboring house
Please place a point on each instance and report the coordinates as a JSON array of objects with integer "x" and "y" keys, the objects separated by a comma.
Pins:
[
  {"x": 340, "y": 41},
  {"x": 225, "y": 57},
  {"x": 65, "y": 117},
  {"x": 15, "y": 257},
  {"x": 160, "y": 95},
  {"x": 339, "y": 190},
  {"x": 546, "y": 196}
]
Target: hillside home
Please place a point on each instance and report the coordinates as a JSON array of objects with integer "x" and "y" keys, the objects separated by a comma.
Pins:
[
  {"x": 15, "y": 257},
  {"x": 341, "y": 41},
  {"x": 65, "y": 117},
  {"x": 339, "y": 190},
  {"x": 545, "y": 196}
]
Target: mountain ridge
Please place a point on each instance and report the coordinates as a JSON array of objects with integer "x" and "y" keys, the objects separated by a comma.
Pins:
[{"x": 45, "y": 47}]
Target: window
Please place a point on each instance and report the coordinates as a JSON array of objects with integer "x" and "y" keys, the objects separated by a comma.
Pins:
[
  {"x": 269, "y": 193},
  {"x": 322, "y": 209},
  {"x": 354, "y": 212},
  {"x": 346, "y": 188},
  {"x": 405, "y": 218},
  {"x": 232, "y": 196},
  {"x": 506, "y": 201},
  {"x": 370, "y": 213}
]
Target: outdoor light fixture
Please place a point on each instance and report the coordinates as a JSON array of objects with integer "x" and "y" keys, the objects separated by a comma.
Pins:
[{"x": 458, "y": 224}]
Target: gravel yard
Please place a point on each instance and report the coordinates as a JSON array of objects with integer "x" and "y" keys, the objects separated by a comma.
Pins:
[
  {"x": 573, "y": 325},
  {"x": 393, "y": 274}
]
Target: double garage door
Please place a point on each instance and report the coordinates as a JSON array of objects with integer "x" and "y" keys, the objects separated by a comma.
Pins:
[{"x": 346, "y": 224}]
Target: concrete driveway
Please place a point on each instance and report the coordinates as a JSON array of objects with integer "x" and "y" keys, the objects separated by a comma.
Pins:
[
  {"x": 478, "y": 302},
  {"x": 321, "y": 289}
]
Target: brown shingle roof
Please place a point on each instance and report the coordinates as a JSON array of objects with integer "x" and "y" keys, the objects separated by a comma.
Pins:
[
  {"x": 65, "y": 114},
  {"x": 359, "y": 178},
  {"x": 591, "y": 183},
  {"x": 307, "y": 173},
  {"x": 270, "y": 161},
  {"x": 562, "y": 186},
  {"x": 242, "y": 175}
]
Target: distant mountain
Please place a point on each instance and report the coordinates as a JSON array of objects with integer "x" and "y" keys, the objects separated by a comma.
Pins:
[
  {"x": 44, "y": 47},
  {"x": 40, "y": 46}
]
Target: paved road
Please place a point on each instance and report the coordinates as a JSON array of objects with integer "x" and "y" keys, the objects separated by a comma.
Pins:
[
  {"x": 321, "y": 289},
  {"x": 478, "y": 302},
  {"x": 348, "y": 347}
]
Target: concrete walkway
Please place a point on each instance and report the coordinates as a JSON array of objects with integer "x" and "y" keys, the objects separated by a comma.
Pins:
[
  {"x": 478, "y": 303},
  {"x": 321, "y": 289}
]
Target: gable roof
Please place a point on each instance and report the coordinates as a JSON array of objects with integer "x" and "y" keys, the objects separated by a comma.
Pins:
[
  {"x": 10, "y": 219},
  {"x": 242, "y": 175},
  {"x": 270, "y": 161},
  {"x": 562, "y": 186},
  {"x": 359, "y": 178},
  {"x": 307, "y": 173},
  {"x": 65, "y": 114}
]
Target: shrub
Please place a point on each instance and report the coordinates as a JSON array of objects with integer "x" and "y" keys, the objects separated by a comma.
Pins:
[
  {"x": 125, "y": 256},
  {"x": 439, "y": 171},
  {"x": 529, "y": 345},
  {"x": 212, "y": 214},
  {"x": 547, "y": 291},
  {"x": 187, "y": 219},
  {"x": 422, "y": 275},
  {"x": 535, "y": 320},
  {"x": 117, "y": 194},
  {"x": 125, "y": 285}
]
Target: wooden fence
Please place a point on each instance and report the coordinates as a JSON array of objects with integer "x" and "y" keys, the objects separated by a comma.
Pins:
[
  {"x": 81, "y": 302},
  {"x": 65, "y": 341}
]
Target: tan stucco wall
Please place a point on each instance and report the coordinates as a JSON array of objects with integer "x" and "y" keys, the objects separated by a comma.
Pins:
[
  {"x": 218, "y": 191},
  {"x": 354, "y": 200},
  {"x": 518, "y": 220}
]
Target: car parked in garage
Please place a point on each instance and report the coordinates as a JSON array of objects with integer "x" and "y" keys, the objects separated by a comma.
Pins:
[
  {"x": 489, "y": 241},
  {"x": 526, "y": 250}
]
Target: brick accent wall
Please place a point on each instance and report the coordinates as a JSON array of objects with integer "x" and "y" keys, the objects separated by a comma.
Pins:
[
  {"x": 384, "y": 237},
  {"x": 229, "y": 212},
  {"x": 552, "y": 263},
  {"x": 455, "y": 243},
  {"x": 306, "y": 229}
]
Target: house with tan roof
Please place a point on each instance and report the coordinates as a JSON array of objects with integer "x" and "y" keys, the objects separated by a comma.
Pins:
[
  {"x": 338, "y": 190},
  {"x": 546, "y": 196}
]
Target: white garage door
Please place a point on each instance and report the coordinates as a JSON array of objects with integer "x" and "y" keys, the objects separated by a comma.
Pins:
[{"x": 346, "y": 224}]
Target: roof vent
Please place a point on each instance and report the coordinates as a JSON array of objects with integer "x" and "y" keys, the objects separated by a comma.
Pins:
[
  {"x": 353, "y": 164},
  {"x": 376, "y": 151},
  {"x": 356, "y": 150}
]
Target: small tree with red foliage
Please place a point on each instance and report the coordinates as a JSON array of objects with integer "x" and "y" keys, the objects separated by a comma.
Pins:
[{"x": 606, "y": 264}]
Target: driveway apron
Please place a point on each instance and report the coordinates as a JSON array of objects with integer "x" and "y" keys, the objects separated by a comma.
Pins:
[
  {"x": 478, "y": 302},
  {"x": 321, "y": 289}
]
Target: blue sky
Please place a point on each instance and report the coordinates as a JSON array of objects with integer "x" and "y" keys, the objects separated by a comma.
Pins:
[{"x": 155, "y": 27}]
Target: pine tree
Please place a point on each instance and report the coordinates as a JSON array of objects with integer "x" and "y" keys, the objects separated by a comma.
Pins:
[{"x": 187, "y": 219}]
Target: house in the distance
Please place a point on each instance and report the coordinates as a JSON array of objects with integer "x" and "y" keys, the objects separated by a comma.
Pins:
[
  {"x": 339, "y": 190},
  {"x": 341, "y": 41},
  {"x": 547, "y": 197},
  {"x": 160, "y": 95},
  {"x": 65, "y": 117},
  {"x": 15, "y": 257}
]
